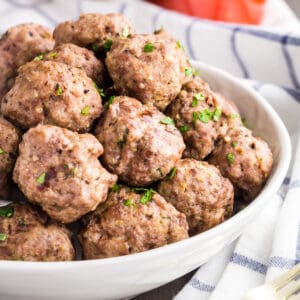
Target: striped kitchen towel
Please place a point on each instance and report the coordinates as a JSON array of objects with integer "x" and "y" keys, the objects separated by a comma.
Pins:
[{"x": 270, "y": 62}]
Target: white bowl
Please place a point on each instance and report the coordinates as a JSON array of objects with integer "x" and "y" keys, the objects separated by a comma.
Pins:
[{"x": 120, "y": 277}]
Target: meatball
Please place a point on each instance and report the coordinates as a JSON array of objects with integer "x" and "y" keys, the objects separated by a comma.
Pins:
[
  {"x": 26, "y": 234},
  {"x": 93, "y": 30},
  {"x": 75, "y": 56},
  {"x": 9, "y": 141},
  {"x": 198, "y": 190},
  {"x": 52, "y": 93},
  {"x": 244, "y": 159},
  {"x": 141, "y": 145},
  {"x": 149, "y": 67},
  {"x": 126, "y": 224},
  {"x": 17, "y": 46},
  {"x": 202, "y": 116},
  {"x": 59, "y": 170}
]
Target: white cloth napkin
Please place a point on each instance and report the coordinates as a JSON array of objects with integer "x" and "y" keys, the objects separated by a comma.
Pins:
[{"x": 271, "y": 244}]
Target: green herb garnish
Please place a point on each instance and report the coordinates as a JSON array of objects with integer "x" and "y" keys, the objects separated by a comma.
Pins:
[
  {"x": 125, "y": 32},
  {"x": 52, "y": 54},
  {"x": 74, "y": 171},
  {"x": 1, "y": 151},
  {"x": 128, "y": 203},
  {"x": 217, "y": 114},
  {"x": 110, "y": 101},
  {"x": 6, "y": 212},
  {"x": 188, "y": 71},
  {"x": 234, "y": 116},
  {"x": 94, "y": 48},
  {"x": 196, "y": 98},
  {"x": 85, "y": 111},
  {"x": 234, "y": 144},
  {"x": 184, "y": 128},
  {"x": 41, "y": 178},
  {"x": 59, "y": 90},
  {"x": 172, "y": 173},
  {"x": 115, "y": 187},
  {"x": 179, "y": 45},
  {"x": 230, "y": 158},
  {"x": 205, "y": 116},
  {"x": 39, "y": 57},
  {"x": 167, "y": 121},
  {"x": 2, "y": 237},
  {"x": 147, "y": 194},
  {"x": 100, "y": 91},
  {"x": 148, "y": 47},
  {"x": 107, "y": 45}
]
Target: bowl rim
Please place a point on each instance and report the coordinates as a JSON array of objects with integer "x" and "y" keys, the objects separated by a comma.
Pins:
[{"x": 268, "y": 190}]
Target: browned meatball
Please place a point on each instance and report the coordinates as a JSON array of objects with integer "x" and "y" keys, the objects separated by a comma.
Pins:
[
  {"x": 202, "y": 116},
  {"x": 59, "y": 170},
  {"x": 138, "y": 146},
  {"x": 198, "y": 190},
  {"x": 75, "y": 56},
  {"x": 149, "y": 67},
  {"x": 52, "y": 93},
  {"x": 26, "y": 234},
  {"x": 244, "y": 159},
  {"x": 18, "y": 45},
  {"x": 9, "y": 141},
  {"x": 93, "y": 30},
  {"x": 127, "y": 224}
]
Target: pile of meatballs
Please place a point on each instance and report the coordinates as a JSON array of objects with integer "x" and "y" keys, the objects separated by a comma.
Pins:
[{"x": 116, "y": 132}]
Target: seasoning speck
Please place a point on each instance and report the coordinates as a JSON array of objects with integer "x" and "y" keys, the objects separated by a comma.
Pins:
[
  {"x": 230, "y": 158},
  {"x": 148, "y": 47},
  {"x": 85, "y": 111},
  {"x": 167, "y": 121},
  {"x": 41, "y": 178}
]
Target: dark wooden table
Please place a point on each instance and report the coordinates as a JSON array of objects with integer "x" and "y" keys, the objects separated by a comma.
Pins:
[{"x": 168, "y": 291}]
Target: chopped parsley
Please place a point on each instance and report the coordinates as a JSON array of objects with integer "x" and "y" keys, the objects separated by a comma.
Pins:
[
  {"x": 172, "y": 173},
  {"x": 184, "y": 128},
  {"x": 188, "y": 71},
  {"x": 39, "y": 57},
  {"x": 205, "y": 116},
  {"x": 230, "y": 158},
  {"x": 58, "y": 90},
  {"x": 167, "y": 121},
  {"x": 107, "y": 45},
  {"x": 125, "y": 32},
  {"x": 234, "y": 144},
  {"x": 110, "y": 101},
  {"x": 148, "y": 47},
  {"x": 196, "y": 98},
  {"x": 217, "y": 114},
  {"x": 179, "y": 45},
  {"x": 128, "y": 203},
  {"x": 2, "y": 237},
  {"x": 100, "y": 91},
  {"x": 52, "y": 54},
  {"x": 115, "y": 187},
  {"x": 234, "y": 116},
  {"x": 85, "y": 111},
  {"x": 66, "y": 166},
  {"x": 1, "y": 151},
  {"x": 94, "y": 48},
  {"x": 74, "y": 171},
  {"x": 6, "y": 212},
  {"x": 41, "y": 178},
  {"x": 147, "y": 194}
]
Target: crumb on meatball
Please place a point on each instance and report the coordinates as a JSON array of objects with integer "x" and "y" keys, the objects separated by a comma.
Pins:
[
  {"x": 59, "y": 170},
  {"x": 124, "y": 225}
]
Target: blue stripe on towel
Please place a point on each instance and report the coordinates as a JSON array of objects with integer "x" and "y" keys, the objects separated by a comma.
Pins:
[
  {"x": 236, "y": 54},
  {"x": 201, "y": 286},
  {"x": 248, "y": 263},
  {"x": 298, "y": 244},
  {"x": 282, "y": 262}
]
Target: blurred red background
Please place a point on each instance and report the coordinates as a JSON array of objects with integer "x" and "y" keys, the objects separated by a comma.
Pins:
[{"x": 236, "y": 11}]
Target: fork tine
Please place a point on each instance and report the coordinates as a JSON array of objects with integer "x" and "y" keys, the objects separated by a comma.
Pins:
[
  {"x": 291, "y": 289},
  {"x": 285, "y": 278}
]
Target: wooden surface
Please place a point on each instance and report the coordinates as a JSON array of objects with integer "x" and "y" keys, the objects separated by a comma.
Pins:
[{"x": 167, "y": 292}]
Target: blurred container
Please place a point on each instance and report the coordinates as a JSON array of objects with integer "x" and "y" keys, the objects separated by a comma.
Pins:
[{"x": 235, "y": 11}]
